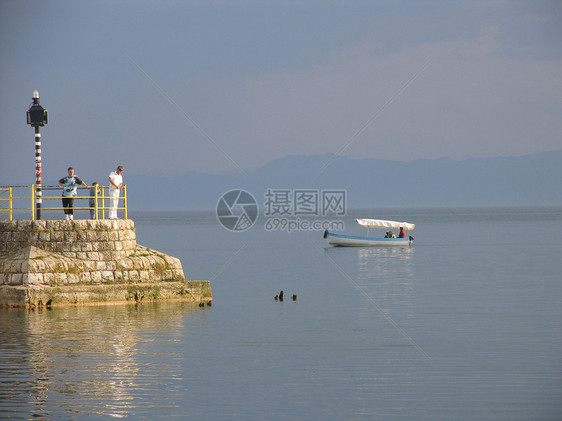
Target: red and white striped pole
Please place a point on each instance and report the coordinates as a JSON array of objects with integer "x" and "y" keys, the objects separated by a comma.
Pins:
[
  {"x": 37, "y": 116},
  {"x": 38, "y": 179}
]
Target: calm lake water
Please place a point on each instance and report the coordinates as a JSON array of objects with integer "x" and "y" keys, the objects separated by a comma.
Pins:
[{"x": 466, "y": 324}]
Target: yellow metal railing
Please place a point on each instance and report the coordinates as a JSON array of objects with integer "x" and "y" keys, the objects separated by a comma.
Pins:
[{"x": 10, "y": 202}]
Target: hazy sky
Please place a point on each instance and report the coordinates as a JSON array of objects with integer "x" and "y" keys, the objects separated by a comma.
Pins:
[{"x": 217, "y": 86}]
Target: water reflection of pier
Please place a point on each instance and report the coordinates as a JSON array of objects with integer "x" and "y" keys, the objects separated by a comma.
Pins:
[{"x": 79, "y": 357}]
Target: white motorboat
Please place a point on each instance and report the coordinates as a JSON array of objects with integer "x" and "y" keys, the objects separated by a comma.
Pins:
[{"x": 359, "y": 241}]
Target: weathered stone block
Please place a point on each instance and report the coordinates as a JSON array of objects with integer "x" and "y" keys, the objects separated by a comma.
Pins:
[
  {"x": 93, "y": 255},
  {"x": 113, "y": 236},
  {"x": 5, "y": 236},
  {"x": 14, "y": 266},
  {"x": 59, "y": 278},
  {"x": 72, "y": 278},
  {"x": 144, "y": 276},
  {"x": 38, "y": 265},
  {"x": 44, "y": 236},
  {"x": 19, "y": 237},
  {"x": 120, "y": 264},
  {"x": 23, "y": 225},
  {"x": 49, "y": 278},
  {"x": 57, "y": 235},
  {"x": 65, "y": 225},
  {"x": 34, "y": 279},
  {"x": 89, "y": 265},
  {"x": 105, "y": 255},
  {"x": 70, "y": 236},
  {"x": 82, "y": 236},
  {"x": 95, "y": 277},
  {"x": 92, "y": 235},
  {"x": 15, "y": 279}
]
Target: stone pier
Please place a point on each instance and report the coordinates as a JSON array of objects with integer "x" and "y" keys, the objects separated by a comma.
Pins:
[{"x": 50, "y": 263}]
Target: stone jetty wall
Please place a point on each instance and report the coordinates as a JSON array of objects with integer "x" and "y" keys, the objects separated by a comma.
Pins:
[{"x": 50, "y": 262}]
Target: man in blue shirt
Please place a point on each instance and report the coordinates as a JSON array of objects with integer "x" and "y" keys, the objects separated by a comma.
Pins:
[{"x": 70, "y": 184}]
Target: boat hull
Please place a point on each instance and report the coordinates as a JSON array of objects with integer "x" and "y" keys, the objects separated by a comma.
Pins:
[{"x": 342, "y": 240}]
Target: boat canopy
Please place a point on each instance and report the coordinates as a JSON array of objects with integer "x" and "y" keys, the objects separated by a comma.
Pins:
[{"x": 379, "y": 223}]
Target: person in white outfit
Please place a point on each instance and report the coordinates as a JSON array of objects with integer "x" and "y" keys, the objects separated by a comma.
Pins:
[{"x": 115, "y": 184}]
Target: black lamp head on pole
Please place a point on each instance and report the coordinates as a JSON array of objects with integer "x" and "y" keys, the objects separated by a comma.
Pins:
[{"x": 37, "y": 116}]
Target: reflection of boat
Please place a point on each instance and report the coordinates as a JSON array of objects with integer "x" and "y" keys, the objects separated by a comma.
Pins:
[{"x": 358, "y": 241}]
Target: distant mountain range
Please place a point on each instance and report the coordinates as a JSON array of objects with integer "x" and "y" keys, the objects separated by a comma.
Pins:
[{"x": 368, "y": 183}]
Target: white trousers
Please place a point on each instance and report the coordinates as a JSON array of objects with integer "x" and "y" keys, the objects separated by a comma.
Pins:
[{"x": 113, "y": 203}]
